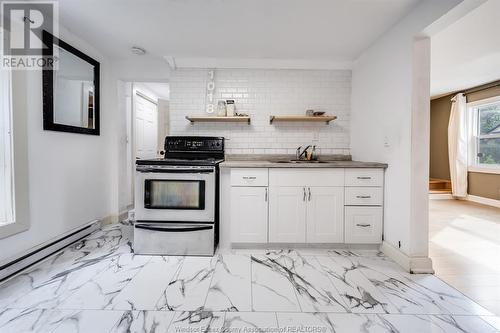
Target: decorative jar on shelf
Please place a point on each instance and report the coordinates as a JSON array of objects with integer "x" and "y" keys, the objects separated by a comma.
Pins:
[{"x": 221, "y": 108}]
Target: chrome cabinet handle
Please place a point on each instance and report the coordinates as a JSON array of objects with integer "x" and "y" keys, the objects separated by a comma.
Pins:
[
  {"x": 363, "y": 196},
  {"x": 364, "y": 177},
  {"x": 363, "y": 225},
  {"x": 309, "y": 193},
  {"x": 266, "y": 194},
  {"x": 304, "y": 198},
  {"x": 248, "y": 177}
]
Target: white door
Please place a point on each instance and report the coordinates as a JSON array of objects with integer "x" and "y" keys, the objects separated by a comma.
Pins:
[
  {"x": 146, "y": 128},
  {"x": 287, "y": 214},
  {"x": 249, "y": 214},
  {"x": 325, "y": 214}
]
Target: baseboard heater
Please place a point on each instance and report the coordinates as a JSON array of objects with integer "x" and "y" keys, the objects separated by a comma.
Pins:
[{"x": 45, "y": 250}]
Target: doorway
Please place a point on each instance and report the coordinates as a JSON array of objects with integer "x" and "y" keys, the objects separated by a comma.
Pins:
[
  {"x": 146, "y": 109},
  {"x": 464, "y": 170}
]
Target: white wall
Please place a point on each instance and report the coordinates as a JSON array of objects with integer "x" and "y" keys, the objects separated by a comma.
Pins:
[
  {"x": 125, "y": 146},
  {"x": 383, "y": 103},
  {"x": 261, "y": 93},
  {"x": 72, "y": 177},
  {"x": 142, "y": 68},
  {"x": 163, "y": 121}
]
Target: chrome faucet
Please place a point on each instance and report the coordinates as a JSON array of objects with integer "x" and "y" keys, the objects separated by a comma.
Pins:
[{"x": 298, "y": 154}]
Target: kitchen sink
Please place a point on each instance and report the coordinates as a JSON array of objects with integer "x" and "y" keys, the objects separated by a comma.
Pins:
[{"x": 300, "y": 161}]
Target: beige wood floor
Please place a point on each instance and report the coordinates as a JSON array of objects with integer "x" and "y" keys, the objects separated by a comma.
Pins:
[{"x": 465, "y": 249}]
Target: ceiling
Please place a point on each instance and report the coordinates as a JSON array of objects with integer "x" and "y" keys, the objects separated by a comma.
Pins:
[
  {"x": 467, "y": 53},
  {"x": 307, "y": 30}
]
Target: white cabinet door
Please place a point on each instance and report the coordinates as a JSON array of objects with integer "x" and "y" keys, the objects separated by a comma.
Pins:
[
  {"x": 325, "y": 214},
  {"x": 249, "y": 214},
  {"x": 287, "y": 214}
]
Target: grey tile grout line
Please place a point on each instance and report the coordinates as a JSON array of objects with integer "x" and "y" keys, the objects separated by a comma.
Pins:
[
  {"x": 219, "y": 257},
  {"x": 381, "y": 291},
  {"x": 295, "y": 293},
  {"x": 276, "y": 318},
  {"x": 177, "y": 271},
  {"x": 251, "y": 282},
  {"x": 171, "y": 319},
  {"x": 118, "y": 320},
  {"x": 347, "y": 307},
  {"x": 125, "y": 286}
]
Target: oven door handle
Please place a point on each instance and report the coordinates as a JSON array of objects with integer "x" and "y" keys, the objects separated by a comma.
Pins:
[
  {"x": 193, "y": 171},
  {"x": 170, "y": 229}
]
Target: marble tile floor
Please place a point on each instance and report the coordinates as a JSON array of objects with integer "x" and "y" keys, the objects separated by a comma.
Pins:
[
  {"x": 98, "y": 285},
  {"x": 465, "y": 249}
]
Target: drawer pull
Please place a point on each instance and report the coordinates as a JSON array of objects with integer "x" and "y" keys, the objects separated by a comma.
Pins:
[
  {"x": 249, "y": 177},
  {"x": 266, "y": 194},
  {"x": 363, "y": 196},
  {"x": 363, "y": 225},
  {"x": 363, "y": 177},
  {"x": 304, "y": 198}
]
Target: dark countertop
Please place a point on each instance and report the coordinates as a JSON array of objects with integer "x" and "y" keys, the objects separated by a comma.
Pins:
[{"x": 276, "y": 161}]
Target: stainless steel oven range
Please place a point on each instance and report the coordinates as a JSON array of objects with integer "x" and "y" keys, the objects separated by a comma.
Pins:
[{"x": 177, "y": 198}]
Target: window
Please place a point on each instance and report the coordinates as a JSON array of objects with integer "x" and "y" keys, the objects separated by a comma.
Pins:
[
  {"x": 485, "y": 134},
  {"x": 6, "y": 169}
]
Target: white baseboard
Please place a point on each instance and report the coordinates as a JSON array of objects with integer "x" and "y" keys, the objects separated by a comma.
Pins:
[
  {"x": 484, "y": 201},
  {"x": 27, "y": 258},
  {"x": 116, "y": 218},
  {"x": 414, "y": 265}
]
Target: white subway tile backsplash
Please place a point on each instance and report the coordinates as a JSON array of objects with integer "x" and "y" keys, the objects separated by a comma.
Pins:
[{"x": 261, "y": 93}]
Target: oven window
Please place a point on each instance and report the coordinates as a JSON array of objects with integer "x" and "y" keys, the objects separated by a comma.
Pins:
[{"x": 174, "y": 194}]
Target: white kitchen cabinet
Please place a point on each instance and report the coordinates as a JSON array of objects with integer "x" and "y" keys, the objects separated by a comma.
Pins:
[
  {"x": 287, "y": 214},
  {"x": 307, "y": 205},
  {"x": 363, "y": 225},
  {"x": 249, "y": 211},
  {"x": 325, "y": 215}
]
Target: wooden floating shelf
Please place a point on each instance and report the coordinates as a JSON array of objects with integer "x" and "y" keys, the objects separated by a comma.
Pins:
[
  {"x": 216, "y": 119},
  {"x": 325, "y": 119}
]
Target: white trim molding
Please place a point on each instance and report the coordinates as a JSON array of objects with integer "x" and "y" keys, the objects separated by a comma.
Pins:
[
  {"x": 484, "y": 201},
  {"x": 414, "y": 265},
  {"x": 440, "y": 196},
  {"x": 20, "y": 155},
  {"x": 21, "y": 261},
  {"x": 480, "y": 169}
]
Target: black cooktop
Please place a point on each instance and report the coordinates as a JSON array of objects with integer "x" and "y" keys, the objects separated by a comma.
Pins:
[
  {"x": 190, "y": 150},
  {"x": 180, "y": 161}
]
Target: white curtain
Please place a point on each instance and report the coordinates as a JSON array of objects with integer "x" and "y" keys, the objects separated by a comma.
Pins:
[{"x": 457, "y": 146}]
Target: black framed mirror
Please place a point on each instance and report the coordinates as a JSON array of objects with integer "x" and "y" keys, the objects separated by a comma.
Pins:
[{"x": 70, "y": 89}]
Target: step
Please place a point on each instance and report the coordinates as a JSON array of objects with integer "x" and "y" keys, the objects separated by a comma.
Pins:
[
  {"x": 440, "y": 191},
  {"x": 439, "y": 184}
]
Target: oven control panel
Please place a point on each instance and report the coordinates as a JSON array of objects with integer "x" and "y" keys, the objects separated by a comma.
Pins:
[{"x": 186, "y": 143}]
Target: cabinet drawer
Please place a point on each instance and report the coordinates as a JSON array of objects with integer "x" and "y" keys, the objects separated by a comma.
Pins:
[
  {"x": 363, "y": 225},
  {"x": 364, "y": 177},
  {"x": 249, "y": 177},
  {"x": 363, "y": 196}
]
